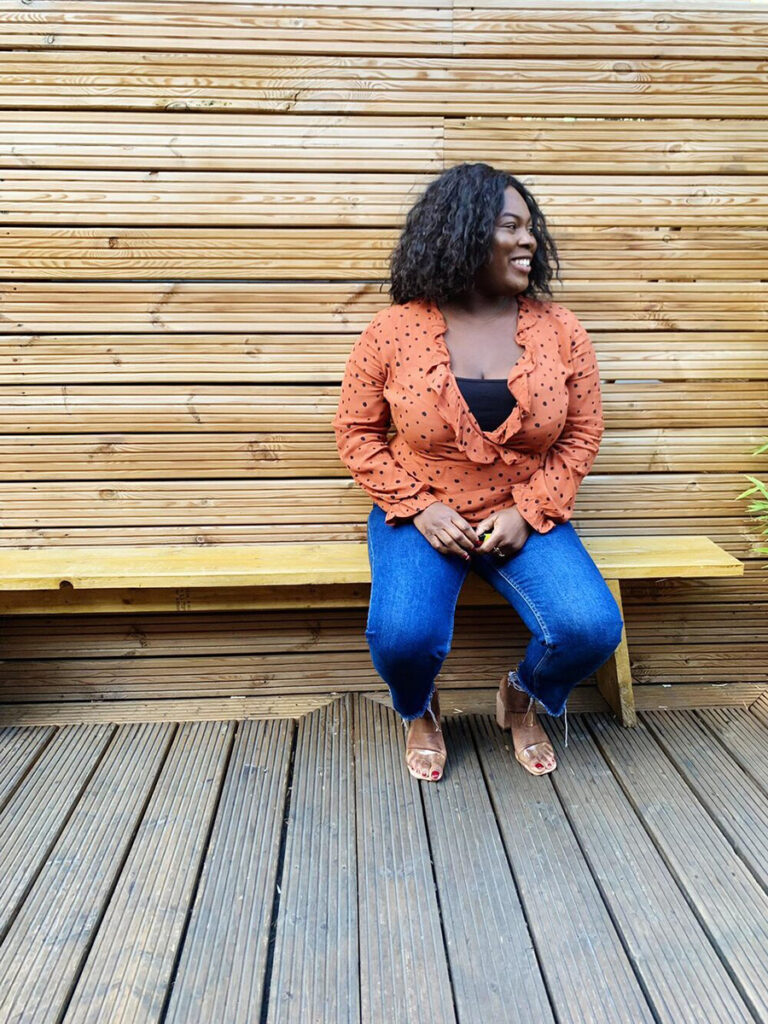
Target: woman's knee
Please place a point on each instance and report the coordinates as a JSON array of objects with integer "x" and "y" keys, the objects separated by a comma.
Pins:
[
  {"x": 599, "y": 633},
  {"x": 406, "y": 644}
]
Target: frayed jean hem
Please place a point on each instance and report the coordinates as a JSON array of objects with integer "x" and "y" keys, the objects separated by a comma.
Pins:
[
  {"x": 426, "y": 708},
  {"x": 513, "y": 679}
]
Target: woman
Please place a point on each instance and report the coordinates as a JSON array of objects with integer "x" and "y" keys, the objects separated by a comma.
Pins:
[{"x": 494, "y": 393}]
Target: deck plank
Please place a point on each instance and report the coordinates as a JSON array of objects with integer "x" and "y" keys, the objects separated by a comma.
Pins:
[
  {"x": 493, "y": 965},
  {"x": 42, "y": 953},
  {"x": 681, "y": 974},
  {"x": 18, "y": 749},
  {"x": 627, "y": 885},
  {"x": 403, "y": 964},
  {"x": 128, "y": 969},
  {"x": 734, "y": 916},
  {"x": 222, "y": 966},
  {"x": 744, "y": 737},
  {"x": 29, "y": 825},
  {"x": 316, "y": 959},
  {"x": 589, "y": 977},
  {"x": 732, "y": 799}
]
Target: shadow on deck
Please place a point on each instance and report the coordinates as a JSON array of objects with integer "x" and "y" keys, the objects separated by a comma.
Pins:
[{"x": 248, "y": 871}]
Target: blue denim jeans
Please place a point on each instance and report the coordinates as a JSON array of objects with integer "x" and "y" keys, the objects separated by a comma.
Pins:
[{"x": 552, "y": 583}]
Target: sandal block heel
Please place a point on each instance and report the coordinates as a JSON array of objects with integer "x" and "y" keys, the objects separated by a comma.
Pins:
[{"x": 501, "y": 713}]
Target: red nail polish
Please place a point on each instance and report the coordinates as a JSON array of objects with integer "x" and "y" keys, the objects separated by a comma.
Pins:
[{"x": 435, "y": 775}]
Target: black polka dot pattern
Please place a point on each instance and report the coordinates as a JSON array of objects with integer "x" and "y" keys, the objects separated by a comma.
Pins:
[{"x": 399, "y": 371}]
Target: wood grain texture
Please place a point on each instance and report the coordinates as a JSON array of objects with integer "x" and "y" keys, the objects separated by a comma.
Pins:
[
  {"x": 199, "y": 203},
  {"x": 614, "y": 881},
  {"x": 284, "y": 82},
  {"x": 297, "y": 198}
]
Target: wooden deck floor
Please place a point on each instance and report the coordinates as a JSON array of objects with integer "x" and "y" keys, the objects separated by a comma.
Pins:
[{"x": 264, "y": 871}]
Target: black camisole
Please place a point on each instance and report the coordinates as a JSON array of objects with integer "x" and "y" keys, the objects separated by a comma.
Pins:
[{"x": 490, "y": 401}]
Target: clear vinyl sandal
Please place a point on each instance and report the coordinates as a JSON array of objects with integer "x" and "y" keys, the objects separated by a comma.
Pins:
[
  {"x": 434, "y": 754},
  {"x": 537, "y": 758}
]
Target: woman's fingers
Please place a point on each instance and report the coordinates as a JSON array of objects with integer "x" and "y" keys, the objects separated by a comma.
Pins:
[
  {"x": 469, "y": 533},
  {"x": 448, "y": 541},
  {"x": 461, "y": 537}
]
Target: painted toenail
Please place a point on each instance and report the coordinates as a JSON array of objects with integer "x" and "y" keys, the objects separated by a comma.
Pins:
[
  {"x": 435, "y": 775},
  {"x": 538, "y": 765}
]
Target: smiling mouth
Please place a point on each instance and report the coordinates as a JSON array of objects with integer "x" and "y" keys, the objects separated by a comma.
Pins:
[{"x": 524, "y": 267}]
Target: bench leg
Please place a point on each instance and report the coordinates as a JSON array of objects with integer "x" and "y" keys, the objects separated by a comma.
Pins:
[{"x": 614, "y": 679}]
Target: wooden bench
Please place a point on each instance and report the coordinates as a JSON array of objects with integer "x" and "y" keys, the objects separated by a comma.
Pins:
[{"x": 188, "y": 578}]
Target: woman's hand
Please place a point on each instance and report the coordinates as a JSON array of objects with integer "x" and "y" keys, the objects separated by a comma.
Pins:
[
  {"x": 446, "y": 530},
  {"x": 509, "y": 532}
]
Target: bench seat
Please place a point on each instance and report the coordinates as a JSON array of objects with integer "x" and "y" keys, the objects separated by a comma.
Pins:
[{"x": 187, "y": 577}]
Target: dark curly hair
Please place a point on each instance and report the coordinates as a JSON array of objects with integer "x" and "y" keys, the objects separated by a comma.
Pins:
[{"x": 448, "y": 233}]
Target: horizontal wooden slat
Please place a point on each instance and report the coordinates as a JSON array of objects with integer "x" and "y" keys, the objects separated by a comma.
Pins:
[
  {"x": 67, "y": 138},
  {"x": 519, "y": 85},
  {"x": 606, "y": 146},
  {"x": 349, "y": 197},
  {"x": 180, "y": 305},
  {"x": 291, "y": 565},
  {"x": 243, "y": 408},
  {"x": 324, "y": 630},
  {"x": 279, "y": 142},
  {"x": 367, "y": 26},
  {"x": 214, "y": 502},
  {"x": 454, "y": 702},
  {"x": 169, "y": 456},
  {"x": 309, "y": 600},
  {"x": 183, "y": 677},
  {"x": 191, "y": 710},
  {"x": 687, "y": 29},
  {"x": 320, "y": 358},
  {"x": 738, "y": 536},
  {"x": 659, "y": 27},
  {"x": 644, "y": 252}
]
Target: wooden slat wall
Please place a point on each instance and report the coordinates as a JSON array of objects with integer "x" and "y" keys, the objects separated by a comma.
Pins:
[{"x": 179, "y": 292}]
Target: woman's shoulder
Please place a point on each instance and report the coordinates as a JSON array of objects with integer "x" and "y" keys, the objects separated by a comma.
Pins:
[{"x": 398, "y": 312}]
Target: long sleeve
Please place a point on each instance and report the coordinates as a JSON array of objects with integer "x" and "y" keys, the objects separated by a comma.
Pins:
[
  {"x": 361, "y": 423},
  {"x": 549, "y": 495}
]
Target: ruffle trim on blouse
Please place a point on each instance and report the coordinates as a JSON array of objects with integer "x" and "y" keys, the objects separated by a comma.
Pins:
[{"x": 451, "y": 407}]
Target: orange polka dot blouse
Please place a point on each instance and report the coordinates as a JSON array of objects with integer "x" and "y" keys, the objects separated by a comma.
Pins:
[{"x": 399, "y": 373}]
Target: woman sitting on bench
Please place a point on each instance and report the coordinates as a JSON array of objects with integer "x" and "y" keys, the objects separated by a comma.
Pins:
[{"x": 494, "y": 393}]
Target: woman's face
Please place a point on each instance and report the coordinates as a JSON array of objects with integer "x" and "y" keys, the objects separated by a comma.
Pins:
[{"x": 512, "y": 241}]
